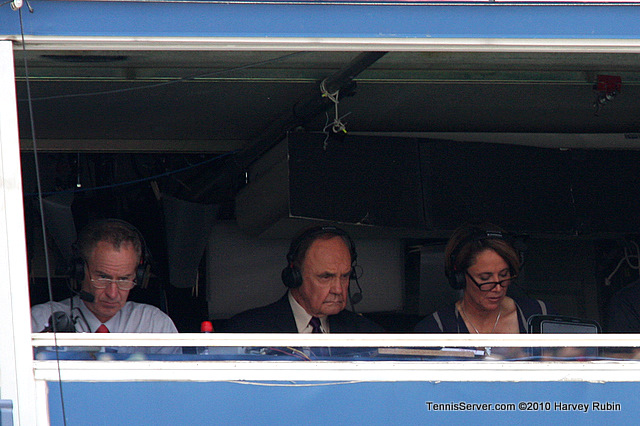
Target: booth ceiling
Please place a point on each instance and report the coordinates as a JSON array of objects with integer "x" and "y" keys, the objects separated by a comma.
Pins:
[{"x": 220, "y": 101}]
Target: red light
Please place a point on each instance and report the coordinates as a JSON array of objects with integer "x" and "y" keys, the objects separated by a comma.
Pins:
[
  {"x": 206, "y": 327},
  {"x": 608, "y": 84}
]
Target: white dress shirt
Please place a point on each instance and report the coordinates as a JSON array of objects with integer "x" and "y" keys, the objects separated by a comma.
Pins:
[
  {"x": 132, "y": 318},
  {"x": 302, "y": 318}
]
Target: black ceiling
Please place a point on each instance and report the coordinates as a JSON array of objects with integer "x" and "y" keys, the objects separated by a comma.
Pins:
[{"x": 221, "y": 101}]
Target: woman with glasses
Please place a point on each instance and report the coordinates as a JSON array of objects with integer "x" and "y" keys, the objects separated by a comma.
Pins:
[{"x": 481, "y": 261}]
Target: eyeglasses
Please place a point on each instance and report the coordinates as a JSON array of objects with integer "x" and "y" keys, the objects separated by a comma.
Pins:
[
  {"x": 488, "y": 286},
  {"x": 101, "y": 283}
]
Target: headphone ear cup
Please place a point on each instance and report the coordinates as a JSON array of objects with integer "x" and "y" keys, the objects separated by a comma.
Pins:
[
  {"x": 143, "y": 272},
  {"x": 291, "y": 277},
  {"x": 457, "y": 280},
  {"x": 356, "y": 297},
  {"x": 141, "y": 275},
  {"x": 76, "y": 270}
]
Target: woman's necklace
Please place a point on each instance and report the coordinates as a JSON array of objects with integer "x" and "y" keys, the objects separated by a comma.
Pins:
[{"x": 464, "y": 314}]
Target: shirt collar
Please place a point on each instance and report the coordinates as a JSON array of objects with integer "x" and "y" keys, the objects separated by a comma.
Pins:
[
  {"x": 87, "y": 316},
  {"x": 302, "y": 317}
]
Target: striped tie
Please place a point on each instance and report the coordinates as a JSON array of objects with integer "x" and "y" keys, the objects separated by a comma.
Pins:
[
  {"x": 315, "y": 324},
  {"x": 318, "y": 351}
]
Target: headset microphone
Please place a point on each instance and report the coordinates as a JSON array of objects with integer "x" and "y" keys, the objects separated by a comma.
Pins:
[
  {"x": 356, "y": 297},
  {"x": 60, "y": 322}
]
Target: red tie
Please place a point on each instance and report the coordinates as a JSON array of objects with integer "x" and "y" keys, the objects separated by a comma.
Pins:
[{"x": 102, "y": 329}]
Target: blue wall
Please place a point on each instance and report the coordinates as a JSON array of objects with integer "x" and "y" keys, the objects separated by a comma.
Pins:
[
  {"x": 180, "y": 403},
  {"x": 194, "y": 19}
]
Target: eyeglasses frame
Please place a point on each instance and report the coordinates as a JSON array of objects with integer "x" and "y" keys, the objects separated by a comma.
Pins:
[
  {"x": 118, "y": 283},
  {"x": 492, "y": 283}
]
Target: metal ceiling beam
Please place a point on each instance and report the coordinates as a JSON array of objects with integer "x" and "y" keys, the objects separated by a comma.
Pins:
[
  {"x": 228, "y": 180},
  {"x": 308, "y": 107}
]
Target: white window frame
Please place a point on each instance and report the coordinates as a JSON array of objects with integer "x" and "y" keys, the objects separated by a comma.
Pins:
[
  {"x": 17, "y": 381},
  {"x": 24, "y": 380}
]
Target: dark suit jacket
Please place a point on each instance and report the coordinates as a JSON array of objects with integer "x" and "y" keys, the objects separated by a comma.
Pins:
[{"x": 278, "y": 318}]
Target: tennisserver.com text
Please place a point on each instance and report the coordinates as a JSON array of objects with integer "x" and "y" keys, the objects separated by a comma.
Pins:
[{"x": 583, "y": 407}]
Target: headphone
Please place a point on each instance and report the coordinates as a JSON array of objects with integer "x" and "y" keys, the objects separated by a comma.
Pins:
[
  {"x": 291, "y": 274},
  {"x": 76, "y": 269},
  {"x": 458, "y": 279}
]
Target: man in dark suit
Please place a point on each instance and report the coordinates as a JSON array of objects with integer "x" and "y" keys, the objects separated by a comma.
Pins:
[{"x": 321, "y": 264}]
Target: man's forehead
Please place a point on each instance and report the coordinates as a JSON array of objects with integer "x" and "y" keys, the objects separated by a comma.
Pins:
[
  {"x": 107, "y": 247},
  {"x": 106, "y": 257},
  {"x": 330, "y": 251}
]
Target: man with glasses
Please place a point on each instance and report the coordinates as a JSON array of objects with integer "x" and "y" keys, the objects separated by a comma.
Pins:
[{"x": 111, "y": 260}]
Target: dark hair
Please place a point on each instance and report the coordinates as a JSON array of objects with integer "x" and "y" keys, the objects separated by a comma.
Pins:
[
  {"x": 301, "y": 243},
  {"x": 469, "y": 240},
  {"x": 114, "y": 231}
]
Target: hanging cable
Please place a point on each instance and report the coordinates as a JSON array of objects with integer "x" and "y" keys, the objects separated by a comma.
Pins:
[
  {"x": 337, "y": 125},
  {"x": 42, "y": 218},
  {"x": 78, "y": 182},
  {"x": 626, "y": 258}
]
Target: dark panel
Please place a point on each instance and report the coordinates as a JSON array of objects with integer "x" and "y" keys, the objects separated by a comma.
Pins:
[
  {"x": 522, "y": 189},
  {"x": 607, "y": 190},
  {"x": 366, "y": 180}
]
